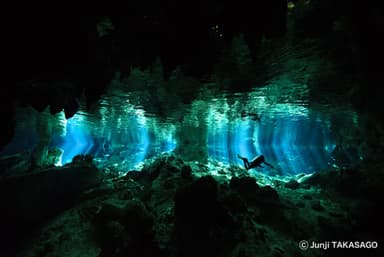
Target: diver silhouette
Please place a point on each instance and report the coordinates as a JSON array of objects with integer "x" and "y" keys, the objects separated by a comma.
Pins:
[{"x": 256, "y": 162}]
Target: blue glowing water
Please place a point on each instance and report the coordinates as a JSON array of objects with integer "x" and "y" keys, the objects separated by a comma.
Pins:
[
  {"x": 292, "y": 145},
  {"x": 125, "y": 147},
  {"x": 292, "y": 138},
  {"x": 76, "y": 141}
]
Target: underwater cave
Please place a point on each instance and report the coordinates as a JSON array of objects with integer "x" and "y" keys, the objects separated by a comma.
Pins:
[{"x": 139, "y": 146}]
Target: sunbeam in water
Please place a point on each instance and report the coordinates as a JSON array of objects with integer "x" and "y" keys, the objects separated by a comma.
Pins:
[
  {"x": 292, "y": 138},
  {"x": 292, "y": 145}
]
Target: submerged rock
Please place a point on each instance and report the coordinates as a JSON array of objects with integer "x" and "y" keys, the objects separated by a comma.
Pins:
[
  {"x": 250, "y": 191},
  {"x": 171, "y": 215},
  {"x": 125, "y": 228},
  {"x": 30, "y": 200},
  {"x": 317, "y": 206},
  {"x": 292, "y": 184},
  {"x": 186, "y": 172},
  {"x": 246, "y": 186},
  {"x": 202, "y": 226},
  {"x": 14, "y": 165}
]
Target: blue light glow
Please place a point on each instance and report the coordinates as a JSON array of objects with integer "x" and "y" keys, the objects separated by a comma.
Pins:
[
  {"x": 291, "y": 144},
  {"x": 124, "y": 145},
  {"x": 77, "y": 140}
]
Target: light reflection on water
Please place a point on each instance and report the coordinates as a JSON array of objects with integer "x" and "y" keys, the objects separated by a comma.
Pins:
[
  {"x": 283, "y": 129},
  {"x": 274, "y": 120},
  {"x": 117, "y": 134}
]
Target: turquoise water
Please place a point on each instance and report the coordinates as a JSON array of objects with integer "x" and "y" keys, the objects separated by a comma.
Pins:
[{"x": 276, "y": 121}]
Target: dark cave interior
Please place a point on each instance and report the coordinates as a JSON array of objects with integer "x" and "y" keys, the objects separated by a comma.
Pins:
[{"x": 123, "y": 135}]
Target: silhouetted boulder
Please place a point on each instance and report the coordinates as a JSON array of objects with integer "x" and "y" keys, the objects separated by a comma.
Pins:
[
  {"x": 245, "y": 186},
  {"x": 292, "y": 184},
  {"x": 186, "y": 172},
  {"x": 202, "y": 226},
  {"x": 30, "y": 200},
  {"x": 125, "y": 228}
]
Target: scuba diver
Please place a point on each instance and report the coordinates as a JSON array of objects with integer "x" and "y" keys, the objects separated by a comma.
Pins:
[{"x": 256, "y": 162}]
